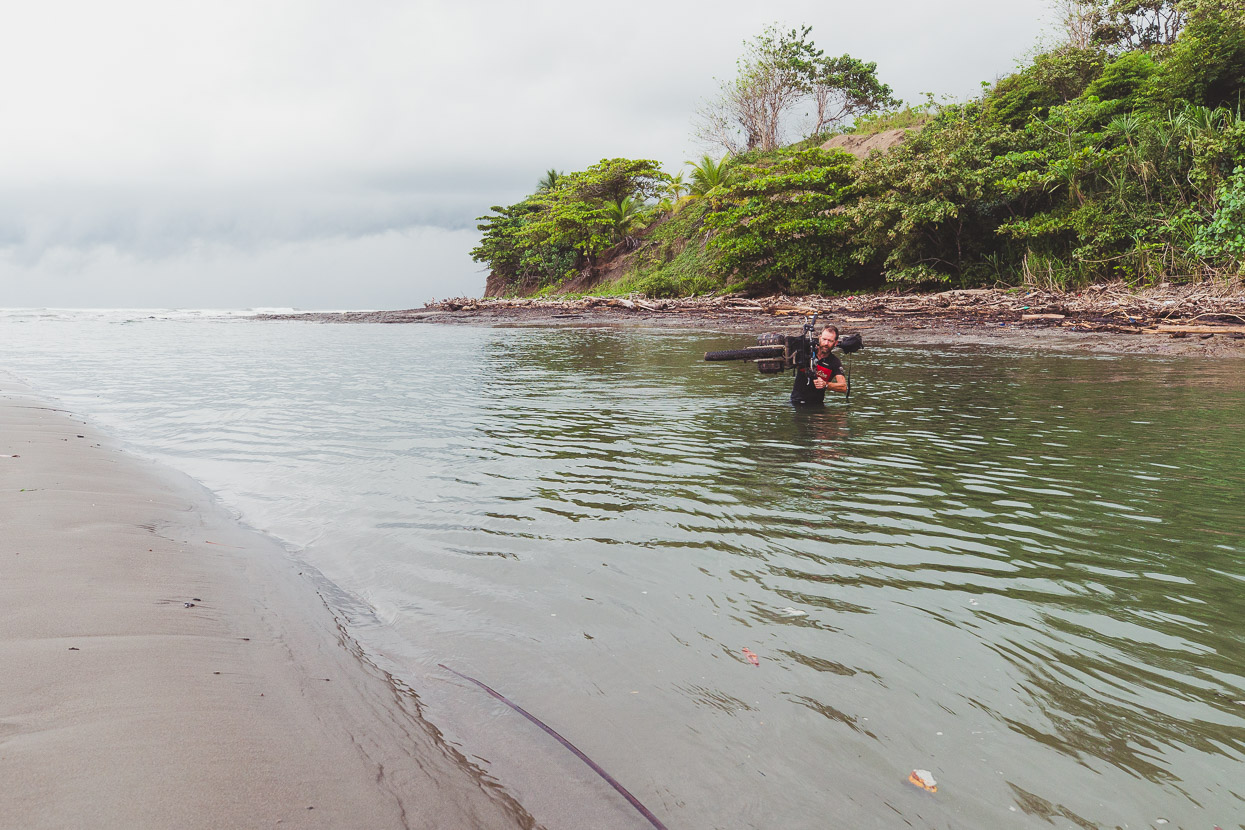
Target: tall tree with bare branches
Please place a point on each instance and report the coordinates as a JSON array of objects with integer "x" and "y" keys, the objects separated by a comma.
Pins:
[
  {"x": 1080, "y": 20},
  {"x": 843, "y": 88},
  {"x": 1125, "y": 24},
  {"x": 1134, "y": 24},
  {"x": 779, "y": 70}
]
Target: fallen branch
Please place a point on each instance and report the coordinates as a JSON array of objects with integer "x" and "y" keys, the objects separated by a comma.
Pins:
[{"x": 1199, "y": 329}]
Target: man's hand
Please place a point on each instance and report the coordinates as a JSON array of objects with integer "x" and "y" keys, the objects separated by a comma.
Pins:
[{"x": 838, "y": 383}]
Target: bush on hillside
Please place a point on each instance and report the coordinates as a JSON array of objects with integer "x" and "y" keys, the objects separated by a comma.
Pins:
[{"x": 1121, "y": 159}]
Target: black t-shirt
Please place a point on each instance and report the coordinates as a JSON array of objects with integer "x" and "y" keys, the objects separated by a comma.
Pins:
[{"x": 804, "y": 392}]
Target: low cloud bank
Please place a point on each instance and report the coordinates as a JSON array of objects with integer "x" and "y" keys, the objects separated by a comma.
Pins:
[{"x": 392, "y": 269}]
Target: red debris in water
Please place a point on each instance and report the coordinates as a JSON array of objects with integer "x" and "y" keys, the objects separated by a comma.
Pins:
[
  {"x": 752, "y": 658},
  {"x": 924, "y": 779}
]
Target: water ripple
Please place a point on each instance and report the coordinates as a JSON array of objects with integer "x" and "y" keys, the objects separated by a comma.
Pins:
[{"x": 978, "y": 569}]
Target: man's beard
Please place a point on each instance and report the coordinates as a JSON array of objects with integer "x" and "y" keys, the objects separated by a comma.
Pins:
[{"x": 823, "y": 352}]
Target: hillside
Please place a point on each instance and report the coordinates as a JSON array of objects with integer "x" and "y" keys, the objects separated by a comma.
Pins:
[{"x": 1118, "y": 156}]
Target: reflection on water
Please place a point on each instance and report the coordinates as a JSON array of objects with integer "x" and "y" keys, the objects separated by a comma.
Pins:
[{"x": 1021, "y": 572}]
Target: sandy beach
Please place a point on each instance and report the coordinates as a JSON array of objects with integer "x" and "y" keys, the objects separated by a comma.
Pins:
[{"x": 166, "y": 667}]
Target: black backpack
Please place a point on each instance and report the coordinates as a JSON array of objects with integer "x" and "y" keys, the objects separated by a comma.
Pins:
[{"x": 851, "y": 343}]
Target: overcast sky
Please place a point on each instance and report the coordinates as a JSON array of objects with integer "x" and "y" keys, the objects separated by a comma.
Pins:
[{"x": 298, "y": 153}]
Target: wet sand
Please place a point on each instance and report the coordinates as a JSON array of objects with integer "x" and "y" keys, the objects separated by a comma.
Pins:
[{"x": 164, "y": 666}]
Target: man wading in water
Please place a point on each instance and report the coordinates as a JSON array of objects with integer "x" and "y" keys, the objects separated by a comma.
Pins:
[{"x": 810, "y": 387}]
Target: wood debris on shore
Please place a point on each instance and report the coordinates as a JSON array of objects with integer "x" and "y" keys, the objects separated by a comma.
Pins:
[{"x": 1169, "y": 310}]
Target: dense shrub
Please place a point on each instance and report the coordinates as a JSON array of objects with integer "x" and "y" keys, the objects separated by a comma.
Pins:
[
  {"x": 1206, "y": 65},
  {"x": 1223, "y": 238},
  {"x": 783, "y": 226},
  {"x": 1053, "y": 78},
  {"x": 1123, "y": 159},
  {"x": 549, "y": 236},
  {"x": 1124, "y": 82}
]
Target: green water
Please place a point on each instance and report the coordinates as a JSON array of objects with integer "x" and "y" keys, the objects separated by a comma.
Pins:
[{"x": 1021, "y": 572}]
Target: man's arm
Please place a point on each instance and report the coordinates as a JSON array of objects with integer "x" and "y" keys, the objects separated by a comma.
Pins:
[{"x": 837, "y": 383}]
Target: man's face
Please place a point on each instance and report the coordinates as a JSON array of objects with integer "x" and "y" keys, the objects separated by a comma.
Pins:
[{"x": 826, "y": 342}]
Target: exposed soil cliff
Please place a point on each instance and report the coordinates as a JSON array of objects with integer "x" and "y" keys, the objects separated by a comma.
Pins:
[{"x": 861, "y": 146}]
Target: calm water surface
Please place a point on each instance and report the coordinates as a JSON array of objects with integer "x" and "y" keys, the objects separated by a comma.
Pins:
[{"x": 1020, "y": 572}]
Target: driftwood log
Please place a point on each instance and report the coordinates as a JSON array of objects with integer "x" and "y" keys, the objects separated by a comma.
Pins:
[{"x": 1212, "y": 307}]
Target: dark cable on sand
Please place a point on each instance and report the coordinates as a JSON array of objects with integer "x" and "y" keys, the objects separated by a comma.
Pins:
[{"x": 609, "y": 779}]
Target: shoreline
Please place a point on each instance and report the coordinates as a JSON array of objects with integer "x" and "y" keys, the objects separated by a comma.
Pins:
[
  {"x": 166, "y": 666},
  {"x": 1165, "y": 321}
]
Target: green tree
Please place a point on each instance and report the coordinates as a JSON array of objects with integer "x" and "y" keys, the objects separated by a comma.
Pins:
[
  {"x": 550, "y": 180},
  {"x": 844, "y": 88},
  {"x": 500, "y": 246},
  {"x": 578, "y": 215},
  {"x": 779, "y": 70},
  {"x": 677, "y": 187},
  {"x": 709, "y": 174},
  {"x": 1206, "y": 65},
  {"x": 1123, "y": 24},
  {"x": 623, "y": 216},
  {"x": 1223, "y": 238},
  {"x": 1118, "y": 155},
  {"x": 552, "y": 234},
  {"x": 1053, "y": 78},
  {"x": 1136, "y": 24},
  {"x": 783, "y": 226},
  {"x": 928, "y": 211}
]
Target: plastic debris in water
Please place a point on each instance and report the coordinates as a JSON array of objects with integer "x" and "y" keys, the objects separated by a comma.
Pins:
[
  {"x": 791, "y": 612},
  {"x": 752, "y": 658},
  {"x": 924, "y": 779}
]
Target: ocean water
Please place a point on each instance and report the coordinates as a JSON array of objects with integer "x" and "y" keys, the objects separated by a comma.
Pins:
[{"x": 1021, "y": 572}]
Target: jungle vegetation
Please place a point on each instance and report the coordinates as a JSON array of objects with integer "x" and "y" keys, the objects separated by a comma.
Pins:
[{"x": 1117, "y": 154}]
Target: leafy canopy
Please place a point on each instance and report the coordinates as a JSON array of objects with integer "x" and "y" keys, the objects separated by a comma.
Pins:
[
  {"x": 550, "y": 235},
  {"x": 782, "y": 226},
  {"x": 709, "y": 175},
  {"x": 1118, "y": 154}
]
